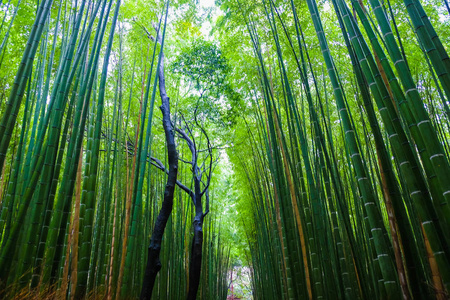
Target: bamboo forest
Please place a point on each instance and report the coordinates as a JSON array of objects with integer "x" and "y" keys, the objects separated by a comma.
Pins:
[{"x": 225, "y": 149}]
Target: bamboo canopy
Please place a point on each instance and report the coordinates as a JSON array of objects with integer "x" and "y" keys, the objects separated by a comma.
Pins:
[{"x": 305, "y": 143}]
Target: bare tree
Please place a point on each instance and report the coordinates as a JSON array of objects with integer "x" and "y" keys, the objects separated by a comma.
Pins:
[
  {"x": 202, "y": 164},
  {"x": 153, "y": 261}
]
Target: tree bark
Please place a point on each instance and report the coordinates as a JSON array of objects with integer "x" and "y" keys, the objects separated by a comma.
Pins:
[
  {"x": 196, "y": 257},
  {"x": 153, "y": 261}
]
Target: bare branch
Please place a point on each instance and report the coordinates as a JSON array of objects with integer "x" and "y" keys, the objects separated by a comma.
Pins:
[
  {"x": 158, "y": 164},
  {"x": 210, "y": 155},
  {"x": 190, "y": 131},
  {"x": 220, "y": 147},
  {"x": 185, "y": 161},
  {"x": 189, "y": 142}
]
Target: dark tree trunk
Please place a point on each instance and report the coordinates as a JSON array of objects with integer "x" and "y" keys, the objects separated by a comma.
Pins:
[
  {"x": 153, "y": 261},
  {"x": 196, "y": 257}
]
